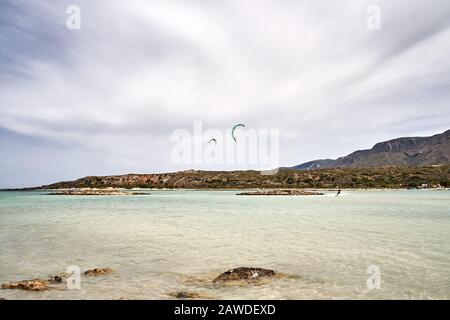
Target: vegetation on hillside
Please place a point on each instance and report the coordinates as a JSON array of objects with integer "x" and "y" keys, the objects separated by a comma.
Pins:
[{"x": 362, "y": 178}]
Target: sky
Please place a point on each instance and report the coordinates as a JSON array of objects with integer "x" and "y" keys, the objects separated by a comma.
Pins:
[{"x": 106, "y": 98}]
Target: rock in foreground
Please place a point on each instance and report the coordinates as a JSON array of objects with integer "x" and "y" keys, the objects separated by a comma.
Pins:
[
  {"x": 281, "y": 192},
  {"x": 29, "y": 285},
  {"x": 245, "y": 274},
  {"x": 98, "y": 271}
]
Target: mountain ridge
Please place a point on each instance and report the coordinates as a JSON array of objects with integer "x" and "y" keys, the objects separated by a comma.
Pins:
[{"x": 404, "y": 151}]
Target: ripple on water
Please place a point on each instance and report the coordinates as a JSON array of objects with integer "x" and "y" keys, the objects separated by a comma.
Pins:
[{"x": 180, "y": 242}]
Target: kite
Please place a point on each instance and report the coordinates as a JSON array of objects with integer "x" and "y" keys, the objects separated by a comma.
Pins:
[{"x": 234, "y": 128}]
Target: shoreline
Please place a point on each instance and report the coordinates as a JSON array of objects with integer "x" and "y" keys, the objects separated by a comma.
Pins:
[
  {"x": 389, "y": 178},
  {"x": 127, "y": 190}
]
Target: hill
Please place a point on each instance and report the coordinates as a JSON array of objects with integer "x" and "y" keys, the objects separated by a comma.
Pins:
[
  {"x": 413, "y": 151},
  {"x": 389, "y": 177}
]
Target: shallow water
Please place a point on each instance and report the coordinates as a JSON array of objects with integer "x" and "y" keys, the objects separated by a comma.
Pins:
[{"x": 180, "y": 240}]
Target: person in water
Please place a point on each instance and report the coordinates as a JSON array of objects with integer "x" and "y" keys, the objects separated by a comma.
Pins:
[{"x": 338, "y": 193}]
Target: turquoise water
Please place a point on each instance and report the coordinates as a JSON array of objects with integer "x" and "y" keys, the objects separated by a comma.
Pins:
[{"x": 180, "y": 240}]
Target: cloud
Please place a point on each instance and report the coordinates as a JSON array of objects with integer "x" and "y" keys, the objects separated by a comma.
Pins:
[{"x": 111, "y": 93}]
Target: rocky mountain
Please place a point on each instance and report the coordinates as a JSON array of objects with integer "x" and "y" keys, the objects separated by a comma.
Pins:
[{"x": 413, "y": 151}]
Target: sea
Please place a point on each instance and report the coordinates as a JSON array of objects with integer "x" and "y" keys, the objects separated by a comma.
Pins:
[{"x": 381, "y": 244}]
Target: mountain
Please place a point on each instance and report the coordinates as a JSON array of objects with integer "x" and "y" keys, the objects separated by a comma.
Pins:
[{"x": 413, "y": 151}]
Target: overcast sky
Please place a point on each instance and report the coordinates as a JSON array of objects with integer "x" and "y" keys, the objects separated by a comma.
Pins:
[{"x": 105, "y": 99}]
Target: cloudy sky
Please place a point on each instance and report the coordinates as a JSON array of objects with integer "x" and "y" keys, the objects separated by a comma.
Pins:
[{"x": 105, "y": 99}]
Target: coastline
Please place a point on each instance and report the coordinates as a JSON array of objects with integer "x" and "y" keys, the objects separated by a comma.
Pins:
[
  {"x": 206, "y": 189},
  {"x": 386, "y": 178}
]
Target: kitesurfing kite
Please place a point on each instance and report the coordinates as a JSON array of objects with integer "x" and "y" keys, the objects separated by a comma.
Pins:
[
  {"x": 213, "y": 140},
  {"x": 234, "y": 128}
]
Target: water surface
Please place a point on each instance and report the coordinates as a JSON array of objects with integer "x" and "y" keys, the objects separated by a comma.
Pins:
[{"x": 180, "y": 240}]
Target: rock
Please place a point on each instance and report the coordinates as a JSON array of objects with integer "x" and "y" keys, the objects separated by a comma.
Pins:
[
  {"x": 246, "y": 274},
  {"x": 2, "y": 299},
  {"x": 58, "y": 278},
  {"x": 280, "y": 192},
  {"x": 98, "y": 271},
  {"x": 29, "y": 285},
  {"x": 188, "y": 295},
  {"x": 184, "y": 295},
  {"x": 95, "y": 192},
  {"x": 123, "y": 298}
]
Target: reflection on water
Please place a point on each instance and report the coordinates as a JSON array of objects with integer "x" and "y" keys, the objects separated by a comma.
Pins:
[{"x": 180, "y": 240}]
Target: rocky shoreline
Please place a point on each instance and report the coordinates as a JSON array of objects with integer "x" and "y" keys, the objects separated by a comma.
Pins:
[
  {"x": 121, "y": 192},
  {"x": 95, "y": 192},
  {"x": 337, "y": 178},
  {"x": 281, "y": 192}
]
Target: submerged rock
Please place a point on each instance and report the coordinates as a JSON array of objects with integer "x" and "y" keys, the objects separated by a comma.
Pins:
[
  {"x": 98, "y": 271},
  {"x": 188, "y": 295},
  {"x": 184, "y": 295},
  {"x": 96, "y": 192},
  {"x": 58, "y": 278},
  {"x": 245, "y": 274},
  {"x": 29, "y": 285},
  {"x": 280, "y": 192}
]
